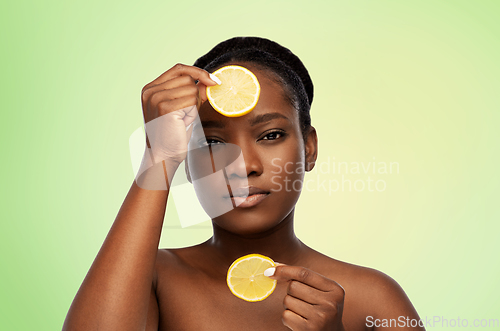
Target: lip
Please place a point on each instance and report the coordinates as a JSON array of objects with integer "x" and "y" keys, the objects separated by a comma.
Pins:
[
  {"x": 240, "y": 199},
  {"x": 250, "y": 201}
]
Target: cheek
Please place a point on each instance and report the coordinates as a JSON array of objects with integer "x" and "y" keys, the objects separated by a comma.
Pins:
[
  {"x": 287, "y": 170},
  {"x": 209, "y": 182},
  {"x": 213, "y": 195}
]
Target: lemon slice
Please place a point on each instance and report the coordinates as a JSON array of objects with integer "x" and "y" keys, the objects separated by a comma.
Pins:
[
  {"x": 237, "y": 95},
  {"x": 246, "y": 279}
]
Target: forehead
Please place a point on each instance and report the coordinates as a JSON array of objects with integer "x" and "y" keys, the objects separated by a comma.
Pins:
[{"x": 271, "y": 100}]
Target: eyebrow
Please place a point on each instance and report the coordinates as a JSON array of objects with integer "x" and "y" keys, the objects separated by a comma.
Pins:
[
  {"x": 212, "y": 124},
  {"x": 263, "y": 118},
  {"x": 266, "y": 118}
]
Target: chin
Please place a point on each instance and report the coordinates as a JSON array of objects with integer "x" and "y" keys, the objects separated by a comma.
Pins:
[
  {"x": 244, "y": 226},
  {"x": 256, "y": 220}
]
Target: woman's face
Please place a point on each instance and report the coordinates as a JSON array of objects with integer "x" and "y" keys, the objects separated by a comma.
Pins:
[{"x": 263, "y": 155}]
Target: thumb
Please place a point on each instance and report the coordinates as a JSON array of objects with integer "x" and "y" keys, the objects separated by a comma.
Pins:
[
  {"x": 202, "y": 84},
  {"x": 202, "y": 89},
  {"x": 271, "y": 272}
]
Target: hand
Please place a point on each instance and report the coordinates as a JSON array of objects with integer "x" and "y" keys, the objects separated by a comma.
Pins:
[
  {"x": 169, "y": 105},
  {"x": 313, "y": 302}
]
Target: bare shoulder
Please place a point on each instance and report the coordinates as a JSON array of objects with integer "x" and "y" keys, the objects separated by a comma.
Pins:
[
  {"x": 369, "y": 294},
  {"x": 165, "y": 262},
  {"x": 176, "y": 258},
  {"x": 169, "y": 256},
  {"x": 368, "y": 281},
  {"x": 183, "y": 262},
  {"x": 174, "y": 266}
]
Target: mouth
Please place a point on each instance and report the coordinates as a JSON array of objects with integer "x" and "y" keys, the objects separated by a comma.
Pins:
[{"x": 247, "y": 196}]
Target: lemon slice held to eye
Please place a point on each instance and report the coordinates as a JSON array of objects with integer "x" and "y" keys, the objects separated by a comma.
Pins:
[
  {"x": 237, "y": 95},
  {"x": 246, "y": 279}
]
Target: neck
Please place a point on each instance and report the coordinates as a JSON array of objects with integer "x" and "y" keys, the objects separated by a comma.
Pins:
[{"x": 278, "y": 243}]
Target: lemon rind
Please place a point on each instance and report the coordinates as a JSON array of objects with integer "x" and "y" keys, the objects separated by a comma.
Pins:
[
  {"x": 243, "y": 111},
  {"x": 237, "y": 261}
]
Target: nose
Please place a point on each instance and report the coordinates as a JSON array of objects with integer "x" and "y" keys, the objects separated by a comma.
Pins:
[{"x": 247, "y": 164}]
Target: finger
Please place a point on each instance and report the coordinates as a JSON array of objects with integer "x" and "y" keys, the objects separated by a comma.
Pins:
[
  {"x": 169, "y": 84},
  {"x": 184, "y": 70},
  {"x": 298, "y": 306},
  {"x": 305, "y": 276},
  {"x": 166, "y": 107},
  {"x": 176, "y": 93},
  {"x": 304, "y": 292},
  {"x": 177, "y": 82},
  {"x": 190, "y": 115},
  {"x": 202, "y": 88},
  {"x": 293, "y": 321}
]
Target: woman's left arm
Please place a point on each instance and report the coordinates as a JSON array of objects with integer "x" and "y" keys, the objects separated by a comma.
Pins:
[
  {"x": 391, "y": 309},
  {"x": 315, "y": 302}
]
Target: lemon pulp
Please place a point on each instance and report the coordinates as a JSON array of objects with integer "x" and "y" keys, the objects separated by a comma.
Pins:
[
  {"x": 238, "y": 94},
  {"x": 246, "y": 280}
]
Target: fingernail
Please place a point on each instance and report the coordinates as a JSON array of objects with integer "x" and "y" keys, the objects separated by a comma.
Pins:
[
  {"x": 215, "y": 79},
  {"x": 269, "y": 272}
]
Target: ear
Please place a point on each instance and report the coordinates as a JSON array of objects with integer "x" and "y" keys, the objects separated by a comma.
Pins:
[{"x": 311, "y": 148}]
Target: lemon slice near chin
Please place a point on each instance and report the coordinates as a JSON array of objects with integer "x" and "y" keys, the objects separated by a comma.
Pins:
[
  {"x": 238, "y": 93},
  {"x": 246, "y": 279}
]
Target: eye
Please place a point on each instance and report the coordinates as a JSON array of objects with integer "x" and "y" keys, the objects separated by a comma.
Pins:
[
  {"x": 273, "y": 135},
  {"x": 209, "y": 142}
]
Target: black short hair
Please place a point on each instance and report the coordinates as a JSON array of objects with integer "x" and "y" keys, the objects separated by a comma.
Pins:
[{"x": 287, "y": 68}]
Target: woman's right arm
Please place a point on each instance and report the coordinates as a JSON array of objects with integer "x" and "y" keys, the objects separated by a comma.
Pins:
[{"x": 118, "y": 292}]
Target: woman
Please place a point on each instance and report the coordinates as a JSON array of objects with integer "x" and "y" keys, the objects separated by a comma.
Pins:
[{"x": 134, "y": 286}]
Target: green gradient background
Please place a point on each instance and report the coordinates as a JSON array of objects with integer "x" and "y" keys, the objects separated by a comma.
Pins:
[{"x": 413, "y": 82}]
